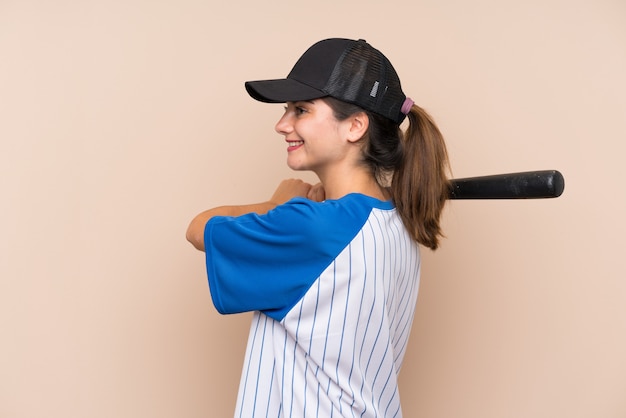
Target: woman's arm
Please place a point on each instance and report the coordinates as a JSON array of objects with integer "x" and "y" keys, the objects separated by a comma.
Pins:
[{"x": 286, "y": 190}]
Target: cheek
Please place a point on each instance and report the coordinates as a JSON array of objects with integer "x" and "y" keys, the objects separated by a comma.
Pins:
[
  {"x": 319, "y": 133},
  {"x": 321, "y": 130}
]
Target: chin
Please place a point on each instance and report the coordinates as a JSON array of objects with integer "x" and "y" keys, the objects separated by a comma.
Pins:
[{"x": 297, "y": 166}]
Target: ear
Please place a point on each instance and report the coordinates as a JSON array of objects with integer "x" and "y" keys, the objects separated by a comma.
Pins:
[{"x": 359, "y": 123}]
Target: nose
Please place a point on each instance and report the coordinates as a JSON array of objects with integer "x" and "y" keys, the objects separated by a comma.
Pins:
[{"x": 284, "y": 125}]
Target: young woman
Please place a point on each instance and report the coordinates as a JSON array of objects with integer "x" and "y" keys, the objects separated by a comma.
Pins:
[{"x": 331, "y": 271}]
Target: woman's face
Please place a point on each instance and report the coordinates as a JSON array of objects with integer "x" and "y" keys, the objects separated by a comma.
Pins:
[{"x": 316, "y": 140}]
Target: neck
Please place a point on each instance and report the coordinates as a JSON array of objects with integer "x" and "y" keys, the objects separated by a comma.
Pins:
[{"x": 339, "y": 184}]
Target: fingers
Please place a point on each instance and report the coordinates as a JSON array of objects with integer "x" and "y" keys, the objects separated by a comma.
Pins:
[
  {"x": 317, "y": 193},
  {"x": 290, "y": 188}
]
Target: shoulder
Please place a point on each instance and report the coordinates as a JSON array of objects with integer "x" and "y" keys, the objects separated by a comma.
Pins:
[
  {"x": 351, "y": 204},
  {"x": 299, "y": 222},
  {"x": 301, "y": 218},
  {"x": 348, "y": 212}
]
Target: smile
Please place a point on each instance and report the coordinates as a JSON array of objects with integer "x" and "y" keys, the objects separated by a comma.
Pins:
[{"x": 294, "y": 145}]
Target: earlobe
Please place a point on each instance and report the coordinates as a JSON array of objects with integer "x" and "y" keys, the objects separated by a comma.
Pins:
[{"x": 358, "y": 126}]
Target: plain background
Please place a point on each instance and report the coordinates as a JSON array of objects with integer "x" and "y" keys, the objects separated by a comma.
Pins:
[{"x": 120, "y": 120}]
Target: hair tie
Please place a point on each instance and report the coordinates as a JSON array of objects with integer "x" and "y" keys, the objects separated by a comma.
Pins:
[{"x": 407, "y": 105}]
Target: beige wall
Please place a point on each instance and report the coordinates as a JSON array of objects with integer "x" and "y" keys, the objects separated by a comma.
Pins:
[{"x": 119, "y": 120}]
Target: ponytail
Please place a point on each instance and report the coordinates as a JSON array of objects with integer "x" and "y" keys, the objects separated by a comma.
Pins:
[
  {"x": 416, "y": 161},
  {"x": 420, "y": 185}
]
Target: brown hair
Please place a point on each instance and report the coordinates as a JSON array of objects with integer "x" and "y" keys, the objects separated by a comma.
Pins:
[{"x": 417, "y": 162}]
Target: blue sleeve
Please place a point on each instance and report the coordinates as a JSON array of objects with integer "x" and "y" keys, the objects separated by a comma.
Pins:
[{"x": 268, "y": 262}]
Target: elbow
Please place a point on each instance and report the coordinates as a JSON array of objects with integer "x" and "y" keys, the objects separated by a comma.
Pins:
[{"x": 195, "y": 234}]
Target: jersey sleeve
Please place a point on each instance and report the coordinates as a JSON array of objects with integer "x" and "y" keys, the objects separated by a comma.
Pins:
[{"x": 268, "y": 262}]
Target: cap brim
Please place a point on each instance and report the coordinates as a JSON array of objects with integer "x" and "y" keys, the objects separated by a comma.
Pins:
[{"x": 281, "y": 91}]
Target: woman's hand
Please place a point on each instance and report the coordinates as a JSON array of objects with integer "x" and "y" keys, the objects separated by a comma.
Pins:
[
  {"x": 317, "y": 193},
  {"x": 288, "y": 189}
]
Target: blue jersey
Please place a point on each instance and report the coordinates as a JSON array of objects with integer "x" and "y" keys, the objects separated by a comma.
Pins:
[{"x": 333, "y": 286}]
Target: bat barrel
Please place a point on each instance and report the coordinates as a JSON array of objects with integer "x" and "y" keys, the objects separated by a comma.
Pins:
[{"x": 526, "y": 185}]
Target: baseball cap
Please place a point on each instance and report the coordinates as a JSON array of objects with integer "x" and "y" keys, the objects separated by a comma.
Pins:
[{"x": 349, "y": 70}]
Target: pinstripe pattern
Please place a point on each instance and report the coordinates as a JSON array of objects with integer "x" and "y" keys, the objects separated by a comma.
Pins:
[{"x": 338, "y": 351}]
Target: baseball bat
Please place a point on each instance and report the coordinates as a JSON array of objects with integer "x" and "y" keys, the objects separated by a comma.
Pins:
[{"x": 524, "y": 185}]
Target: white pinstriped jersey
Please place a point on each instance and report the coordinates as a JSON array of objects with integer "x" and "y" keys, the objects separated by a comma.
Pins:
[{"x": 334, "y": 287}]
